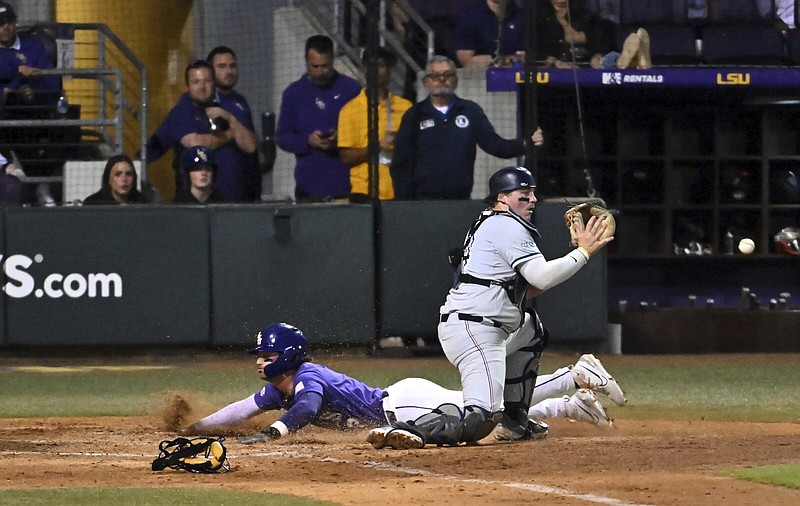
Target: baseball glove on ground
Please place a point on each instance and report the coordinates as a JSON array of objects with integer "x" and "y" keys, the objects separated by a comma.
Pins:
[
  {"x": 198, "y": 455},
  {"x": 582, "y": 213}
]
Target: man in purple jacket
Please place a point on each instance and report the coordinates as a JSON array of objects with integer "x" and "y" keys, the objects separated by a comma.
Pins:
[
  {"x": 199, "y": 119},
  {"x": 20, "y": 58},
  {"x": 307, "y": 125}
]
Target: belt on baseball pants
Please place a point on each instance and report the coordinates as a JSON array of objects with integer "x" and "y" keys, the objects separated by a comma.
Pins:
[{"x": 472, "y": 318}]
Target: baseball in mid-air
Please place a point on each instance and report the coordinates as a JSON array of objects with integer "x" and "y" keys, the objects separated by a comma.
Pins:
[{"x": 747, "y": 246}]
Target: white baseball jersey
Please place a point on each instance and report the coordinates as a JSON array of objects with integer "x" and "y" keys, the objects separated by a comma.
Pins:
[{"x": 496, "y": 250}]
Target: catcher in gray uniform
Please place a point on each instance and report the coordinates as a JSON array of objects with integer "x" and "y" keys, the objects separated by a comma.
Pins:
[{"x": 486, "y": 330}]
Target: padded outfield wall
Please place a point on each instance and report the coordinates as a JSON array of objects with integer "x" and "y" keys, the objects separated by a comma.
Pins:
[{"x": 161, "y": 275}]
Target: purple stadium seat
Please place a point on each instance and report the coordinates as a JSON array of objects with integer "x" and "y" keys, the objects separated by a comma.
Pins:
[
  {"x": 737, "y": 33},
  {"x": 672, "y": 38}
]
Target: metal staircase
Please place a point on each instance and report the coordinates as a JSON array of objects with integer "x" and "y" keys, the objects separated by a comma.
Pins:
[
  {"x": 344, "y": 21},
  {"x": 102, "y": 111}
]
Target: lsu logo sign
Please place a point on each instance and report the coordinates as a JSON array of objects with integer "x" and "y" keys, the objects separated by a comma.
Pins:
[
  {"x": 541, "y": 78},
  {"x": 734, "y": 78}
]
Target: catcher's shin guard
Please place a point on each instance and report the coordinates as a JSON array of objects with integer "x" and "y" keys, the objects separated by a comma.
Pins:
[
  {"x": 442, "y": 426},
  {"x": 522, "y": 369}
]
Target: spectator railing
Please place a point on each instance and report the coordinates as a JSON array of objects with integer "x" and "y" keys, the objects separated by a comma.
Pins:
[{"x": 106, "y": 87}]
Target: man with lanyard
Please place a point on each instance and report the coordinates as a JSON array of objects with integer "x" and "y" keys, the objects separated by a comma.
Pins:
[{"x": 353, "y": 131}]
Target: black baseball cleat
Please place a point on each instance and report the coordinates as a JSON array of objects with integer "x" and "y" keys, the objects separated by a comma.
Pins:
[{"x": 531, "y": 430}]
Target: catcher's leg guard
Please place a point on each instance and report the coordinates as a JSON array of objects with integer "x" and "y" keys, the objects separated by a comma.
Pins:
[
  {"x": 522, "y": 368},
  {"x": 478, "y": 423},
  {"x": 442, "y": 426}
]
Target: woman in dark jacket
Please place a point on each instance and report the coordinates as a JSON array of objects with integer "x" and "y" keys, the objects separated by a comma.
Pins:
[{"x": 118, "y": 185}]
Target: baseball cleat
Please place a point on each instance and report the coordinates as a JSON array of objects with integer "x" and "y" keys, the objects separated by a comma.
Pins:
[
  {"x": 583, "y": 406},
  {"x": 531, "y": 430},
  {"x": 589, "y": 373},
  {"x": 377, "y": 437},
  {"x": 398, "y": 439},
  {"x": 539, "y": 430}
]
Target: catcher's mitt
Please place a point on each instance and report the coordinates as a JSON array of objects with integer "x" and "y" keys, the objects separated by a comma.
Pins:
[
  {"x": 582, "y": 213},
  {"x": 198, "y": 455}
]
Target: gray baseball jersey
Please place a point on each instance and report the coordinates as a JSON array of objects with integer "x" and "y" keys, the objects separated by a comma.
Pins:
[{"x": 495, "y": 252}]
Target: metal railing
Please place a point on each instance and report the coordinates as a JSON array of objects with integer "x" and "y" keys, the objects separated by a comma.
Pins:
[
  {"x": 343, "y": 21},
  {"x": 106, "y": 80}
]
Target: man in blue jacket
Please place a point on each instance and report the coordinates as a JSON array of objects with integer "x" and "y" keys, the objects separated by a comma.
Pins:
[
  {"x": 226, "y": 77},
  {"x": 198, "y": 119},
  {"x": 435, "y": 148}
]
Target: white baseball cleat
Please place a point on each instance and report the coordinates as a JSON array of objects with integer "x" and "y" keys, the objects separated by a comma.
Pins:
[
  {"x": 583, "y": 406},
  {"x": 398, "y": 439},
  {"x": 589, "y": 373}
]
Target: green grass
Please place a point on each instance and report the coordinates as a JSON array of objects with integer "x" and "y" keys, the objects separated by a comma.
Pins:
[
  {"x": 751, "y": 388},
  {"x": 713, "y": 389},
  {"x": 105, "y": 393},
  {"x": 787, "y": 475},
  {"x": 758, "y": 388},
  {"x": 150, "y": 497}
]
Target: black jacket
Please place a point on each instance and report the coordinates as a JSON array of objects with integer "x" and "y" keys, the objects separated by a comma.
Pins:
[
  {"x": 185, "y": 196},
  {"x": 434, "y": 154},
  {"x": 104, "y": 197}
]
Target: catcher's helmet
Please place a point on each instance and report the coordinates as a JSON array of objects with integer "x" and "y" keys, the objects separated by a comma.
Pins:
[
  {"x": 509, "y": 179},
  {"x": 284, "y": 339}
]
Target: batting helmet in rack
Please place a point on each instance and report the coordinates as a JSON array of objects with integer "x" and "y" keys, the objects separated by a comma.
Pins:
[{"x": 284, "y": 339}]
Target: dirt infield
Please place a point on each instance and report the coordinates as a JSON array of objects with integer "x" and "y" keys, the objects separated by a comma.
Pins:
[{"x": 641, "y": 462}]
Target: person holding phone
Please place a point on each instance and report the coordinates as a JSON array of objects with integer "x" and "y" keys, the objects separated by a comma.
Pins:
[{"x": 307, "y": 125}]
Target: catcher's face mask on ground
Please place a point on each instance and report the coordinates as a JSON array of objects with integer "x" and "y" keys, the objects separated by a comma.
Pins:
[{"x": 198, "y": 455}]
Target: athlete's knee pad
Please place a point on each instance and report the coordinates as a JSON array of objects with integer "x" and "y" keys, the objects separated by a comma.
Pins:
[
  {"x": 478, "y": 423},
  {"x": 442, "y": 426}
]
